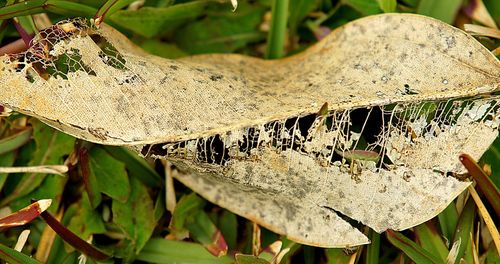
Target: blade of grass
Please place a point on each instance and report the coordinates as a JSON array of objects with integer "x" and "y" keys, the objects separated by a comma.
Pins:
[
  {"x": 109, "y": 8},
  {"x": 448, "y": 220},
  {"x": 159, "y": 250},
  {"x": 15, "y": 141},
  {"x": 65, "y": 8},
  {"x": 430, "y": 239},
  {"x": 187, "y": 206},
  {"x": 249, "y": 259},
  {"x": 387, "y": 6},
  {"x": 336, "y": 256},
  {"x": 464, "y": 228},
  {"x": 486, "y": 217},
  {"x": 72, "y": 239},
  {"x": 12, "y": 256},
  {"x": 410, "y": 248},
  {"x": 277, "y": 32},
  {"x": 444, "y": 10},
  {"x": 204, "y": 231},
  {"x": 373, "y": 249},
  {"x": 484, "y": 182}
]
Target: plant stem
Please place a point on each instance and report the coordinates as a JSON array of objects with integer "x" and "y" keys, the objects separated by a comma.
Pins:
[{"x": 277, "y": 33}]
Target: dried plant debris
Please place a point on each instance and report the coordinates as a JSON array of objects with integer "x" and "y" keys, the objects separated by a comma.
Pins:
[{"x": 364, "y": 126}]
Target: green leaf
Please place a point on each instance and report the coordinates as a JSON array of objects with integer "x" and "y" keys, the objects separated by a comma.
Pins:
[
  {"x": 411, "y": 3},
  {"x": 111, "y": 6},
  {"x": 164, "y": 251},
  {"x": 135, "y": 218},
  {"x": 203, "y": 230},
  {"x": 250, "y": 259},
  {"x": 86, "y": 221},
  {"x": 162, "y": 49},
  {"x": 15, "y": 141},
  {"x": 228, "y": 225},
  {"x": 365, "y": 7},
  {"x": 151, "y": 21},
  {"x": 430, "y": 239},
  {"x": 410, "y": 248},
  {"x": 65, "y": 8},
  {"x": 444, "y": 10},
  {"x": 51, "y": 188},
  {"x": 136, "y": 165},
  {"x": 373, "y": 249},
  {"x": 387, "y": 6},
  {"x": 493, "y": 7},
  {"x": 160, "y": 209},
  {"x": 12, "y": 256},
  {"x": 222, "y": 34},
  {"x": 187, "y": 206},
  {"x": 51, "y": 148},
  {"x": 298, "y": 10},
  {"x": 337, "y": 255},
  {"x": 111, "y": 176},
  {"x": 448, "y": 220},
  {"x": 6, "y": 160},
  {"x": 464, "y": 229}
]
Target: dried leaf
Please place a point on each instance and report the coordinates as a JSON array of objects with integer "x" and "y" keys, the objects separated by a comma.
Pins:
[
  {"x": 246, "y": 130},
  {"x": 45, "y": 169},
  {"x": 24, "y": 215}
]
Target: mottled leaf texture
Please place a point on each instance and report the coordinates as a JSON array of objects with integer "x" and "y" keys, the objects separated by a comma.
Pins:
[{"x": 246, "y": 133}]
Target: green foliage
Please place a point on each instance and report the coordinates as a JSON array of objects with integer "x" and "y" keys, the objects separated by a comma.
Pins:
[
  {"x": 12, "y": 256},
  {"x": 170, "y": 252},
  {"x": 444, "y": 10},
  {"x": 152, "y": 21},
  {"x": 222, "y": 33},
  {"x": 135, "y": 219}
]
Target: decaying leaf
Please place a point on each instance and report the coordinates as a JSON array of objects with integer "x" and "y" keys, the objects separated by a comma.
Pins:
[{"x": 246, "y": 133}]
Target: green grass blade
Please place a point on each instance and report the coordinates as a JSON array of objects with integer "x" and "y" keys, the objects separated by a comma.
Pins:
[
  {"x": 65, "y": 8},
  {"x": 15, "y": 141},
  {"x": 22, "y": 9},
  {"x": 159, "y": 250},
  {"x": 448, "y": 220},
  {"x": 12, "y": 256},
  {"x": 110, "y": 7},
  {"x": 430, "y": 239},
  {"x": 444, "y": 10},
  {"x": 464, "y": 229},
  {"x": 277, "y": 33},
  {"x": 203, "y": 230},
  {"x": 337, "y": 256},
  {"x": 387, "y": 6},
  {"x": 410, "y": 248},
  {"x": 373, "y": 249}
]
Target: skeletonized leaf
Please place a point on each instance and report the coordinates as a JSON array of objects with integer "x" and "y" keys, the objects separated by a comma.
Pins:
[{"x": 247, "y": 130}]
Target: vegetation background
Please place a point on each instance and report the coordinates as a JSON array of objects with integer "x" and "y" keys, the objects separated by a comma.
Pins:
[{"x": 116, "y": 200}]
